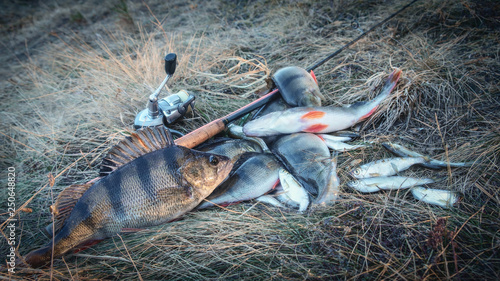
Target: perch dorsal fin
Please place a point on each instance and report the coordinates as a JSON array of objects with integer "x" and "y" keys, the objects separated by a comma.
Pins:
[
  {"x": 65, "y": 203},
  {"x": 142, "y": 142}
]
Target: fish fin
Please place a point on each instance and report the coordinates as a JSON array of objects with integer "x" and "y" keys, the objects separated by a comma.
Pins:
[
  {"x": 315, "y": 114},
  {"x": 242, "y": 159},
  {"x": 176, "y": 219},
  {"x": 65, "y": 203},
  {"x": 315, "y": 128},
  {"x": 314, "y": 77},
  {"x": 131, "y": 230},
  {"x": 85, "y": 245},
  {"x": 139, "y": 143},
  {"x": 165, "y": 194},
  {"x": 395, "y": 168},
  {"x": 275, "y": 184},
  {"x": 369, "y": 113}
]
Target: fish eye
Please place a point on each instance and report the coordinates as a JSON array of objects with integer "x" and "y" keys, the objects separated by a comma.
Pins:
[
  {"x": 357, "y": 171},
  {"x": 213, "y": 160}
]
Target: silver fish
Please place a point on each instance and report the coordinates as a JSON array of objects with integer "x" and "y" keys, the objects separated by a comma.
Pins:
[
  {"x": 297, "y": 86},
  {"x": 150, "y": 181},
  {"x": 293, "y": 193},
  {"x": 307, "y": 158},
  {"x": 257, "y": 175},
  {"x": 341, "y": 147},
  {"x": 230, "y": 148},
  {"x": 386, "y": 167},
  {"x": 386, "y": 183},
  {"x": 440, "y": 197},
  {"x": 431, "y": 164}
]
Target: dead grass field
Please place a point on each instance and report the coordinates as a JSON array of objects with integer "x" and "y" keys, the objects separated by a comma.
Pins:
[{"x": 75, "y": 75}]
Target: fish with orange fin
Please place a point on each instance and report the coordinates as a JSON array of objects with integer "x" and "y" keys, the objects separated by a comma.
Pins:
[
  {"x": 148, "y": 180},
  {"x": 318, "y": 119}
]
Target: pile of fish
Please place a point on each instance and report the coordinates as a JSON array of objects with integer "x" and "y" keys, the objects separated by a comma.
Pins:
[
  {"x": 281, "y": 157},
  {"x": 380, "y": 175}
]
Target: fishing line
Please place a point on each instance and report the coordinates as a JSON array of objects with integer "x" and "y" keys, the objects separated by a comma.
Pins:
[{"x": 329, "y": 57}]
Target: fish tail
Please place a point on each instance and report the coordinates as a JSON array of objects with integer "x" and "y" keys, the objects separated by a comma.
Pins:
[
  {"x": 370, "y": 107},
  {"x": 390, "y": 83},
  {"x": 40, "y": 257}
]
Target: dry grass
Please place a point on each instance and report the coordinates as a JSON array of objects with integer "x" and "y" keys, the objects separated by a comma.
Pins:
[{"x": 78, "y": 90}]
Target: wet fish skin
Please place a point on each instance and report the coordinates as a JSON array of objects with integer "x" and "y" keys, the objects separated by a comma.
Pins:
[
  {"x": 297, "y": 86},
  {"x": 307, "y": 158},
  {"x": 326, "y": 137},
  {"x": 277, "y": 104},
  {"x": 431, "y": 164},
  {"x": 385, "y": 167},
  {"x": 236, "y": 131},
  {"x": 150, "y": 190},
  {"x": 318, "y": 119},
  {"x": 341, "y": 146},
  {"x": 271, "y": 200},
  {"x": 231, "y": 148},
  {"x": 256, "y": 176},
  {"x": 293, "y": 192},
  {"x": 375, "y": 184},
  {"x": 330, "y": 194},
  {"x": 440, "y": 197}
]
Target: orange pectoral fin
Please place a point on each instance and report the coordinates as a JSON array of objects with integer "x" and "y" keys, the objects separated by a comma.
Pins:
[
  {"x": 315, "y": 128},
  {"x": 369, "y": 113},
  {"x": 313, "y": 115},
  {"x": 314, "y": 77},
  {"x": 275, "y": 184}
]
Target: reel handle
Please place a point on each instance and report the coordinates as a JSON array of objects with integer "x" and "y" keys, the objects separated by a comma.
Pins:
[{"x": 170, "y": 63}]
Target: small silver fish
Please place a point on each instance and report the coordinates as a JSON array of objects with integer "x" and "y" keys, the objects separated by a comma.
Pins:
[
  {"x": 386, "y": 183},
  {"x": 431, "y": 163},
  {"x": 340, "y": 146},
  {"x": 440, "y": 197},
  {"x": 385, "y": 167},
  {"x": 293, "y": 192}
]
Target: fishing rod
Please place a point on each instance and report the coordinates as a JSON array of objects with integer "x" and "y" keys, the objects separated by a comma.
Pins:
[{"x": 211, "y": 129}]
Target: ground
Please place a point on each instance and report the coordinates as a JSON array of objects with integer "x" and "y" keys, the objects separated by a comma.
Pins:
[{"x": 76, "y": 73}]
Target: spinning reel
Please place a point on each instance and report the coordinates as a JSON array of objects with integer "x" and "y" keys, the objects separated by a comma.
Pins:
[{"x": 166, "y": 110}]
